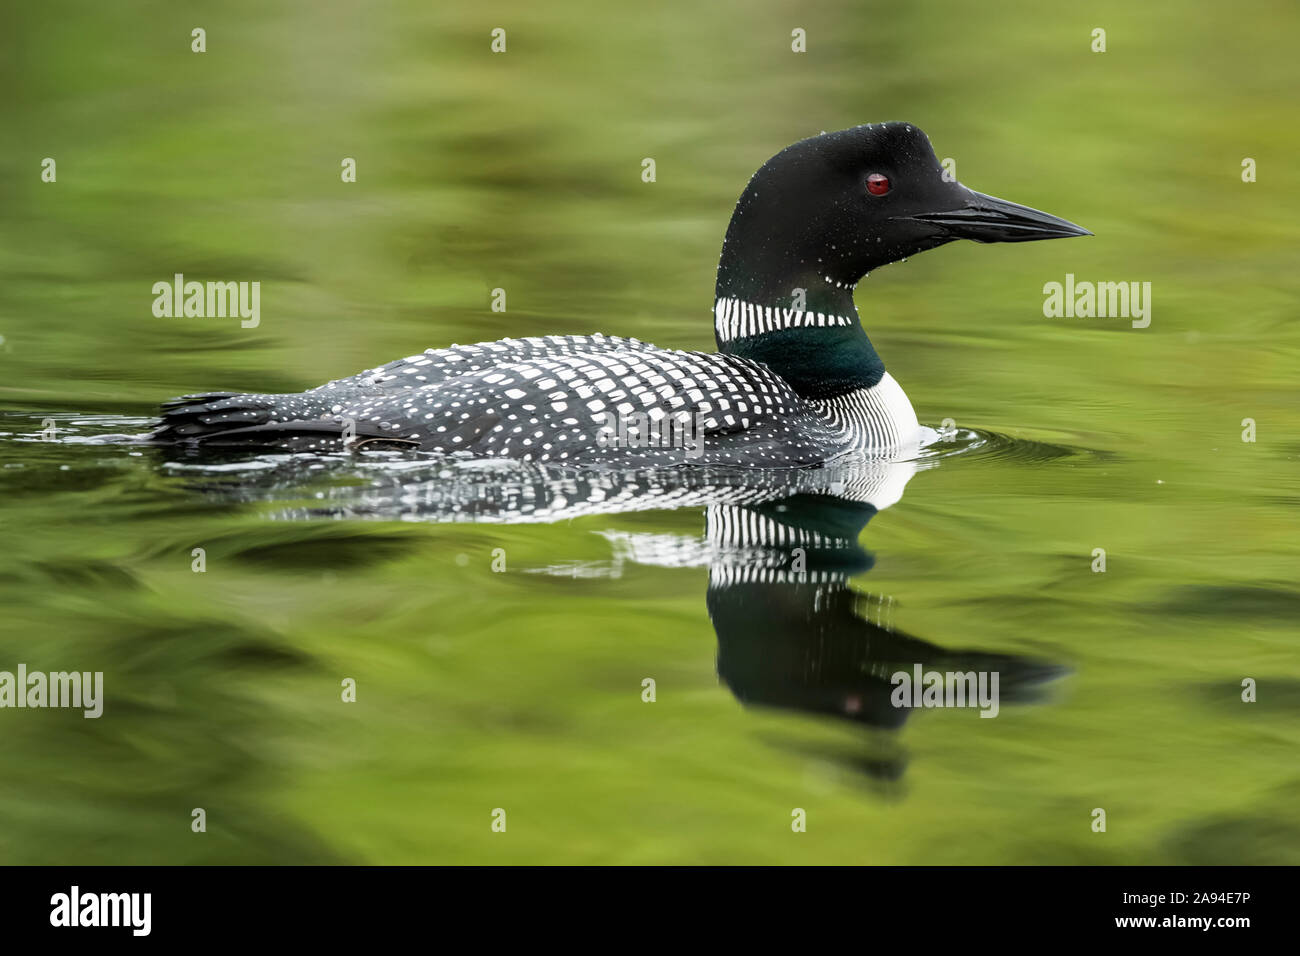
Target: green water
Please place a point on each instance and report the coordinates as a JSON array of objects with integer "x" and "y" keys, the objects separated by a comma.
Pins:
[{"x": 523, "y": 691}]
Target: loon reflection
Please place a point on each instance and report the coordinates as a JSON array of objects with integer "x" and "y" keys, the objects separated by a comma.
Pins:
[
  {"x": 781, "y": 549},
  {"x": 791, "y": 633}
]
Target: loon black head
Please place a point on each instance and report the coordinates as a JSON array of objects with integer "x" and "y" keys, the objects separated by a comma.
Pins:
[{"x": 823, "y": 213}]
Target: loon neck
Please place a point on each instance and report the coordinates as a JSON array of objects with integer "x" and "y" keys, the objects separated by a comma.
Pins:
[{"x": 819, "y": 347}]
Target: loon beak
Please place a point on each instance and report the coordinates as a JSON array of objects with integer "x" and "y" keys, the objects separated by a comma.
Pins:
[{"x": 989, "y": 219}]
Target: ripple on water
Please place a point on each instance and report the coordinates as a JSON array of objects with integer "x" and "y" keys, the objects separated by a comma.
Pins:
[{"x": 943, "y": 444}]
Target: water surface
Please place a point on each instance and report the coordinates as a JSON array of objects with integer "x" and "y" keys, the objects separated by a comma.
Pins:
[{"x": 522, "y": 689}]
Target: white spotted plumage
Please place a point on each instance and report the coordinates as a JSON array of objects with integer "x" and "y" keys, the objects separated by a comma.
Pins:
[{"x": 546, "y": 399}]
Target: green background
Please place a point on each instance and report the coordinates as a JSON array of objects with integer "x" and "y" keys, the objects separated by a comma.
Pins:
[{"x": 522, "y": 171}]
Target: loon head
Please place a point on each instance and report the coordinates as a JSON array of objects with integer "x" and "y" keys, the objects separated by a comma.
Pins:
[{"x": 823, "y": 213}]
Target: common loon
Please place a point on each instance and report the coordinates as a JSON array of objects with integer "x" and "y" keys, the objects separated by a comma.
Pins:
[{"x": 795, "y": 380}]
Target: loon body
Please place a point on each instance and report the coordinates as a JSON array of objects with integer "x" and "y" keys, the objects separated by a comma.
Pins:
[{"x": 795, "y": 380}]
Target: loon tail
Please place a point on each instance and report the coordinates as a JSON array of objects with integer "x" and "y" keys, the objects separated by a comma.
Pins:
[{"x": 232, "y": 419}]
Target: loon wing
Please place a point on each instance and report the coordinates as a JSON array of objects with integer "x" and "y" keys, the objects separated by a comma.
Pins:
[{"x": 538, "y": 399}]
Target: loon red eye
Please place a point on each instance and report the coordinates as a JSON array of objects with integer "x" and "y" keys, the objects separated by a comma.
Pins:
[{"x": 877, "y": 184}]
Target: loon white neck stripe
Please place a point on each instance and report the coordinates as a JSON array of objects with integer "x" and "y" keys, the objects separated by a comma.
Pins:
[{"x": 736, "y": 319}]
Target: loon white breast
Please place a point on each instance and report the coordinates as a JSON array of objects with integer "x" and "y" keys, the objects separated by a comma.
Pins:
[
  {"x": 878, "y": 417},
  {"x": 795, "y": 380}
]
